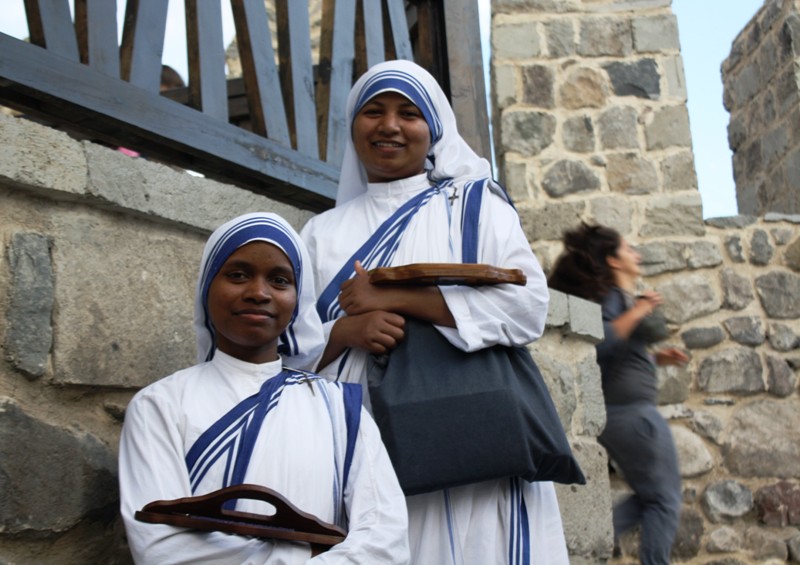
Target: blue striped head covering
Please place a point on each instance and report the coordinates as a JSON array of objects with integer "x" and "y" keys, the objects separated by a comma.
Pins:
[
  {"x": 449, "y": 156},
  {"x": 301, "y": 342},
  {"x": 394, "y": 80}
]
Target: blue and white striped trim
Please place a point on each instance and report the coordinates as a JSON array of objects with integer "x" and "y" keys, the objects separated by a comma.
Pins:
[
  {"x": 232, "y": 438},
  {"x": 378, "y": 251},
  {"x": 519, "y": 541}
]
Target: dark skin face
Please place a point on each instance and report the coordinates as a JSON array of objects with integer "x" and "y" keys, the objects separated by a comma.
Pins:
[
  {"x": 251, "y": 301},
  {"x": 391, "y": 138}
]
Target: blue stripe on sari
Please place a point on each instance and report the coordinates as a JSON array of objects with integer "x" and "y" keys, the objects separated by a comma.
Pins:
[
  {"x": 377, "y": 251},
  {"x": 519, "y": 543},
  {"x": 470, "y": 214},
  {"x": 234, "y": 435}
]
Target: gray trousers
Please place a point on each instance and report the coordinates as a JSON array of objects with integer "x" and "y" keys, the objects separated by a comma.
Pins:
[{"x": 638, "y": 439}]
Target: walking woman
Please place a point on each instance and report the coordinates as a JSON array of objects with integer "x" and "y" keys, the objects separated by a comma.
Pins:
[{"x": 599, "y": 265}]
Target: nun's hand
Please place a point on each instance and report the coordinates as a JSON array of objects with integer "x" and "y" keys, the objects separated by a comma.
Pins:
[
  {"x": 376, "y": 332},
  {"x": 358, "y": 295}
]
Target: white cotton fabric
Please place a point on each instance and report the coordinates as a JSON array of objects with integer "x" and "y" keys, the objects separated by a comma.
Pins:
[
  {"x": 294, "y": 455},
  {"x": 469, "y": 525}
]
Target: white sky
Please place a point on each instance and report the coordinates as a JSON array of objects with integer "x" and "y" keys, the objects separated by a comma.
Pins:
[{"x": 706, "y": 27}]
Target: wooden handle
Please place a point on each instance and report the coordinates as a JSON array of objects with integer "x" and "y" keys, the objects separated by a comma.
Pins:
[
  {"x": 472, "y": 274},
  {"x": 206, "y": 513}
]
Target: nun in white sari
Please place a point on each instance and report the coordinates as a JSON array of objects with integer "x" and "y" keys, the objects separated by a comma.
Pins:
[
  {"x": 240, "y": 418},
  {"x": 407, "y": 198}
]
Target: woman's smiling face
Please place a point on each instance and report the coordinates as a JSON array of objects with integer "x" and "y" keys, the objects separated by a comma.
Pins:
[
  {"x": 251, "y": 301},
  {"x": 391, "y": 137}
]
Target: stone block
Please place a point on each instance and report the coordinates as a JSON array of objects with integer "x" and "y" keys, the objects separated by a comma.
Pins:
[
  {"x": 578, "y": 134},
  {"x": 702, "y": 338},
  {"x": 737, "y": 290},
  {"x": 515, "y": 41},
  {"x": 778, "y": 505},
  {"x": 655, "y": 34},
  {"x": 640, "y": 79},
  {"x": 590, "y": 391},
  {"x": 557, "y": 310},
  {"x": 568, "y": 177},
  {"x": 678, "y": 172},
  {"x": 734, "y": 369},
  {"x": 515, "y": 180},
  {"x": 778, "y": 292},
  {"x": 527, "y": 132},
  {"x": 674, "y": 215},
  {"x": 707, "y": 425},
  {"x": 29, "y": 333},
  {"x": 733, "y": 245},
  {"x": 613, "y": 211},
  {"x": 761, "y": 250},
  {"x": 605, "y": 37},
  {"x": 791, "y": 255},
  {"x": 583, "y": 88},
  {"x": 618, "y": 128},
  {"x": 724, "y": 540},
  {"x": 585, "y": 318},
  {"x": 51, "y": 477},
  {"x": 694, "y": 458},
  {"x": 630, "y": 173},
  {"x": 727, "y": 500},
  {"x": 504, "y": 85},
  {"x": 763, "y": 436},
  {"x": 687, "y": 298},
  {"x": 166, "y": 193},
  {"x": 41, "y": 157},
  {"x": 668, "y": 128},
  {"x": 676, "y": 77},
  {"x": 538, "y": 86},
  {"x": 782, "y": 338},
  {"x": 116, "y": 277},
  {"x": 551, "y": 220},
  {"x": 746, "y": 330},
  {"x": 781, "y": 380},
  {"x": 560, "y": 38}
]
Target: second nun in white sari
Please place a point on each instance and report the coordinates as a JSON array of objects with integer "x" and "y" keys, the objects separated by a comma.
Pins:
[
  {"x": 247, "y": 414},
  {"x": 410, "y": 189}
]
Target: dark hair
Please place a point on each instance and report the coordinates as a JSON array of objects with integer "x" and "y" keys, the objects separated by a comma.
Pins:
[
  {"x": 170, "y": 78},
  {"x": 582, "y": 269}
]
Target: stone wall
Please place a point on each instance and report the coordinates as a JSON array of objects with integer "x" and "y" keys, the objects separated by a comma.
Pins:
[
  {"x": 97, "y": 279},
  {"x": 761, "y": 81},
  {"x": 591, "y": 124}
]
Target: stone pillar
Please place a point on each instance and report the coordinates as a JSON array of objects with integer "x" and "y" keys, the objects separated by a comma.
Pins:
[
  {"x": 590, "y": 117},
  {"x": 762, "y": 93}
]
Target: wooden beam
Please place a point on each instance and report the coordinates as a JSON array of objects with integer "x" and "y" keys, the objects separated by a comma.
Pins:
[
  {"x": 77, "y": 97},
  {"x": 143, "y": 42},
  {"x": 373, "y": 31},
  {"x": 97, "y": 40},
  {"x": 207, "y": 84},
  {"x": 297, "y": 73},
  {"x": 259, "y": 70},
  {"x": 465, "y": 66},
  {"x": 50, "y": 26},
  {"x": 341, "y": 78},
  {"x": 399, "y": 25}
]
